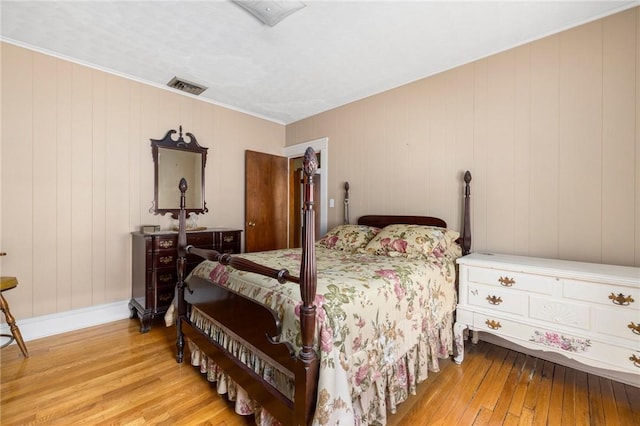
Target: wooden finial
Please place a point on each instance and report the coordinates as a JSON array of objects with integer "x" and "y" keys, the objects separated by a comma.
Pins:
[
  {"x": 467, "y": 180},
  {"x": 310, "y": 162},
  {"x": 346, "y": 203}
]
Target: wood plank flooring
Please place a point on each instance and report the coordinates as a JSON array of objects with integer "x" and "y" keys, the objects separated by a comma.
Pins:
[{"x": 111, "y": 374}]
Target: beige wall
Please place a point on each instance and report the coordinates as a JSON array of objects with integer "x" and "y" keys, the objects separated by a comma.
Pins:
[
  {"x": 77, "y": 175},
  {"x": 550, "y": 131}
]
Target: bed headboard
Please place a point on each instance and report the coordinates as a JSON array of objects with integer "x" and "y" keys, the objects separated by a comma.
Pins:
[{"x": 380, "y": 221}]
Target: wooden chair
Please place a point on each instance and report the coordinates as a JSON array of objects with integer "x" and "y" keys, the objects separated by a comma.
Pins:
[{"x": 7, "y": 283}]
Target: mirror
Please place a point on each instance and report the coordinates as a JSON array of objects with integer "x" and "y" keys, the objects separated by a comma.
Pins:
[{"x": 173, "y": 160}]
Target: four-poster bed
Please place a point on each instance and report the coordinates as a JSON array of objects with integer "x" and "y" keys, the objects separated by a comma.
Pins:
[{"x": 346, "y": 335}]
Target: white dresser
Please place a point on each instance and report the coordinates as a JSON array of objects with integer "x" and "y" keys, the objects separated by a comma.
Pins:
[{"x": 587, "y": 312}]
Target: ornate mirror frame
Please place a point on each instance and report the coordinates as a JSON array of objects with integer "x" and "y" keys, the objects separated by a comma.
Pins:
[{"x": 173, "y": 160}]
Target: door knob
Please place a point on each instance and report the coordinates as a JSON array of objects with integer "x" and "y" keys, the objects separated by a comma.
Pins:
[{"x": 251, "y": 223}]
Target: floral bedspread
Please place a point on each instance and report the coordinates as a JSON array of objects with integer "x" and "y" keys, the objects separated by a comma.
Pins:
[{"x": 382, "y": 323}]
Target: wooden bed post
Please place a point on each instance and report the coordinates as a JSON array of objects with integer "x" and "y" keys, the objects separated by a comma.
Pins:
[
  {"x": 346, "y": 203},
  {"x": 466, "y": 230},
  {"x": 182, "y": 260},
  {"x": 307, "y": 365}
]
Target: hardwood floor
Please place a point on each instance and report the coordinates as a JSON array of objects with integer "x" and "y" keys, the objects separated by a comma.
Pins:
[{"x": 111, "y": 374}]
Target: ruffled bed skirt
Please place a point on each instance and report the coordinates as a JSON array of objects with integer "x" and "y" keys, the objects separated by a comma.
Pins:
[{"x": 392, "y": 386}]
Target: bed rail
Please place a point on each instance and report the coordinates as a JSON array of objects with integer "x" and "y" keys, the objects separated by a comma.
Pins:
[{"x": 282, "y": 275}]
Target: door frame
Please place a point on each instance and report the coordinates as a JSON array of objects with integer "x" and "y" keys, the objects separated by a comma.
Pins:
[{"x": 320, "y": 145}]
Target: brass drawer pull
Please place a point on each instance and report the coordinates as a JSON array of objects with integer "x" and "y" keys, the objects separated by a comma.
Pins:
[
  {"x": 635, "y": 360},
  {"x": 166, "y": 244},
  {"x": 494, "y": 300},
  {"x": 621, "y": 299},
  {"x": 228, "y": 238},
  {"x": 506, "y": 281},
  {"x": 165, "y": 278},
  {"x": 165, "y": 297},
  {"x": 166, "y": 259},
  {"x": 494, "y": 325},
  {"x": 635, "y": 328}
]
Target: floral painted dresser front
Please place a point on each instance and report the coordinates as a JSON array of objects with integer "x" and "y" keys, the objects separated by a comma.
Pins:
[{"x": 587, "y": 312}]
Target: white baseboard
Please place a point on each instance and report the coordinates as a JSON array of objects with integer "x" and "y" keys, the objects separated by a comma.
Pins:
[{"x": 62, "y": 322}]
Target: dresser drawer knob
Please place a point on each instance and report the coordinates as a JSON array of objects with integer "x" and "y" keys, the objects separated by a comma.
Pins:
[
  {"x": 506, "y": 281},
  {"x": 165, "y": 278},
  {"x": 635, "y": 328},
  {"x": 166, "y": 244},
  {"x": 494, "y": 300},
  {"x": 635, "y": 360},
  {"x": 165, "y": 297},
  {"x": 494, "y": 325},
  {"x": 620, "y": 299}
]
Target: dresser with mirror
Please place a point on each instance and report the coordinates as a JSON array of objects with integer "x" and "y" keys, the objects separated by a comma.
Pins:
[{"x": 154, "y": 251}]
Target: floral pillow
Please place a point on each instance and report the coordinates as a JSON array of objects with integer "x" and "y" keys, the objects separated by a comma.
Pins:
[
  {"x": 450, "y": 247},
  {"x": 410, "y": 241},
  {"x": 348, "y": 238}
]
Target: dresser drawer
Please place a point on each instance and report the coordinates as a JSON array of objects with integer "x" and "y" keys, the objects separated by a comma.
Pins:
[
  {"x": 604, "y": 294},
  {"x": 169, "y": 276},
  {"x": 200, "y": 239},
  {"x": 165, "y": 259},
  {"x": 164, "y": 296},
  {"x": 169, "y": 242},
  {"x": 229, "y": 249},
  {"x": 165, "y": 277},
  {"x": 618, "y": 322},
  {"x": 169, "y": 260},
  {"x": 513, "y": 280},
  {"x": 575, "y": 346},
  {"x": 497, "y": 299},
  {"x": 500, "y": 326},
  {"x": 563, "y": 342},
  {"x": 613, "y": 357},
  {"x": 227, "y": 238},
  {"x": 560, "y": 312}
]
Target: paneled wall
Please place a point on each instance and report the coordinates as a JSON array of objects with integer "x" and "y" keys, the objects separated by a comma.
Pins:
[
  {"x": 550, "y": 131},
  {"x": 77, "y": 175}
]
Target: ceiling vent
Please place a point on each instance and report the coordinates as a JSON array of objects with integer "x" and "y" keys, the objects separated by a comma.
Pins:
[{"x": 186, "y": 86}]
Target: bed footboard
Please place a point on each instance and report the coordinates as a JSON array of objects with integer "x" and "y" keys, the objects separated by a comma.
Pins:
[{"x": 226, "y": 308}]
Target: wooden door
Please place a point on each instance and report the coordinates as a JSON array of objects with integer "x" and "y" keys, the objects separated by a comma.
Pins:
[
  {"x": 296, "y": 196},
  {"x": 266, "y": 201},
  {"x": 295, "y": 203}
]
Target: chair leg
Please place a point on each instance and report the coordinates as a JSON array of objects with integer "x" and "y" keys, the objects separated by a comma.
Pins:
[{"x": 11, "y": 321}]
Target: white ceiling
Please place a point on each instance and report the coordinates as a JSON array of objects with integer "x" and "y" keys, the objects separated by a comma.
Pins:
[{"x": 327, "y": 54}]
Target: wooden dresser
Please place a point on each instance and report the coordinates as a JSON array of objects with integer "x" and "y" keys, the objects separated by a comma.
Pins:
[
  {"x": 588, "y": 313},
  {"x": 154, "y": 273}
]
